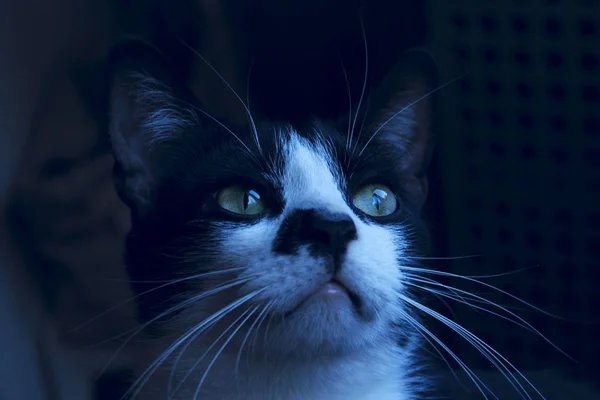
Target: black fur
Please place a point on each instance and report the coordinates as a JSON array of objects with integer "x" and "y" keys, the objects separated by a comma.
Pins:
[{"x": 171, "y": 195}]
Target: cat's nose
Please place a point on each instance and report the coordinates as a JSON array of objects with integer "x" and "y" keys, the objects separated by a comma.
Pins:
[
  {"x": 325, "y": 233},
  {"x": 333, "y": 231}
]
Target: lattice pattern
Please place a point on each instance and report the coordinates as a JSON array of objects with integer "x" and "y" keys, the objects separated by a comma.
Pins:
[{"x": 520, "y": 156}]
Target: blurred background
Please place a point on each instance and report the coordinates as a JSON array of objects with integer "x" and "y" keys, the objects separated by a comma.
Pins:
[
  {"x": 519, "y": 168},
  {"x": 515, "y": 182}
]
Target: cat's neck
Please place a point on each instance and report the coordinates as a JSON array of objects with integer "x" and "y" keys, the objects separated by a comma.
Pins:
[{"x": 379, "y": 373}]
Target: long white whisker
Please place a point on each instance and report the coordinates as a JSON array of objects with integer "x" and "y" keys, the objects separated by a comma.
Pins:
[
  {"x": 439, "y": 297},
  {"x": 209, "y": 367},
  {"x": 349, "y": 102},
  {"x": 190, "y": 341},
  {"x": 499, "y": 275},
  {"x": 499, "y": 361},
  {"x": 435, "y": 347},
  {"x": 404, "y": 109},
  {"x": 252, "y": 346},
  {"x": 162, "y": 358},
  {"x": 476, "y": 307},
  {"x": 474, "y": 378},
  {"x": 485, "y": 284},
  {"x": 228, "y": 130},
  {"x": 362, "y": 125},
  {"x": 416, "y": 278},
  {"x": 255, "y": 323},
  {"x": 205, "y": 323},
  {"x": 483, "y": 351},
  {"x": 252, "y": 124},
  {"x": 167, "y": 283},
  {"x": 364, "y": 87},
  {"x": 213, "y": 344},
  {"x": 170, "y": 311},
  {"x": 520, "y": 321},
  {"x": 441, "y": 258},
  {"x": 451, "y": 294}
]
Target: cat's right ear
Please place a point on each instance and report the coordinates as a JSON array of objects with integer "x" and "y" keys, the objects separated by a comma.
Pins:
[{"x": 145, "y": 114}]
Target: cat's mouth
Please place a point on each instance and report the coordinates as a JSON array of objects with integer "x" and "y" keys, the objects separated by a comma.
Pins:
[{"x": 334, "y": 290}]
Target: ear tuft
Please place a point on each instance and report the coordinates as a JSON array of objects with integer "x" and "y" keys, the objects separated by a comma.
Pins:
[{"x": 145, "y": 111}]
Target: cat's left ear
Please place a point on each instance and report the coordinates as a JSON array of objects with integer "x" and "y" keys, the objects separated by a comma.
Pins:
[{"x": 400, "y": 115}]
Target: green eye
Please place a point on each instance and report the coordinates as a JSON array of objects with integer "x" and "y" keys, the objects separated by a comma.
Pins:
[
  {"x": 240, "y": 201},
  {"x": 375, "y": 200}
]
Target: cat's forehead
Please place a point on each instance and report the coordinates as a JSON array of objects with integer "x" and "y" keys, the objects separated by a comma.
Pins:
[{"x": 311, "y": 176}]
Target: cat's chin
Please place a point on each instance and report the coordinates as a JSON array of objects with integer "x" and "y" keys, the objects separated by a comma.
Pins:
[{"x": 325, "y": 325}]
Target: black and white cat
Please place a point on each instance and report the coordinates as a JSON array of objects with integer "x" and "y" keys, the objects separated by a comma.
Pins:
[{"x": 268, "y": 258}]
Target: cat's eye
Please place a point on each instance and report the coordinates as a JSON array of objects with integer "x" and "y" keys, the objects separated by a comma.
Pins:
[
  {"x": 239, "y": 200},
  {"x": 375, "y": 200}
]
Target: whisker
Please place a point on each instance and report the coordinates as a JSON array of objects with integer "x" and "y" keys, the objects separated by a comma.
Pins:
[
  {"x": 497, "y": 359},
  {"x": 520, "y": 320},
  {"x": 483, "y": 351},
  {"x": 265, "y": 335},
  {"x": 440, "y": 298},
  {"x": 349, "y": 100},
  {"x": 213, "y": 344},
  {"x": 190, "y": 341},
  {"x": 499, "y": 275},
  {"x": 406, "y": 108},
  {"x": 255, "y": 323},
  {"x": 485, "y": 284},
  {"x": 474, "y": 378},
  {"x": 453, "y": 294},
  {"x": 166, "y": 313},
  {"x": 442, "y": 258},
  {"x": 166, "y": 283},
  {"x": 362, "y": 125},
  {"x": 206, "y": 322},
  {"x": 221, "y": 351},
  {"x": 421, "y": 279},
  {"x": 436, "y": 348},
  {"x": 252, "y": 124},
  {"x": 228, "y": 130},
  {"x": 476, "y": 307},
  {"x": 364, "y": 87}
]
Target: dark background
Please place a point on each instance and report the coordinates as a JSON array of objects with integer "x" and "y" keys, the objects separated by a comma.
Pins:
[{"x": 520, "y": 156}]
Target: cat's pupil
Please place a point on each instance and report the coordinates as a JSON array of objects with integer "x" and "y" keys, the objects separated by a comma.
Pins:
[
  {"x": 378, "y": 196},
  {"x": 246, "y": 201},
  {"x": 376, "y": 202}
]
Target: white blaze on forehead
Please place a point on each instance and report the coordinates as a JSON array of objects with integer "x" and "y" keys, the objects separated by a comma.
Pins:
[{"x": 309, "y": 180}]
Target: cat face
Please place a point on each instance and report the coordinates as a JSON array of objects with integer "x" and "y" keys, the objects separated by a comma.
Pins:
[
  {"x": 319, "y": 260},
  {"x": 294, "y": 233}
]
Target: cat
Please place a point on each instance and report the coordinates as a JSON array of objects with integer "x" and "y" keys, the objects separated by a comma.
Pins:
[{"x": 267, "y": 258}]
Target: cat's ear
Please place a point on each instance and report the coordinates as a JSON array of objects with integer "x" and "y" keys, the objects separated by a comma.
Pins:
[
  {"x": 145, "y": 114},
  {"x": 400, "y": 114}
]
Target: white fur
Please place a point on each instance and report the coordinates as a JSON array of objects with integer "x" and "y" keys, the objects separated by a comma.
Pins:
[{"x": 323, "y": 350}]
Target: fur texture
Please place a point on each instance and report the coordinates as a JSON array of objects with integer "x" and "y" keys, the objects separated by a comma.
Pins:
[{"x": 232, "y": 301}]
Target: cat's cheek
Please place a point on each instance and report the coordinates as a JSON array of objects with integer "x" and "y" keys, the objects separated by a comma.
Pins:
[
  {"x": 284, "y": 281},
  {"x": 371, "y": 268}
]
